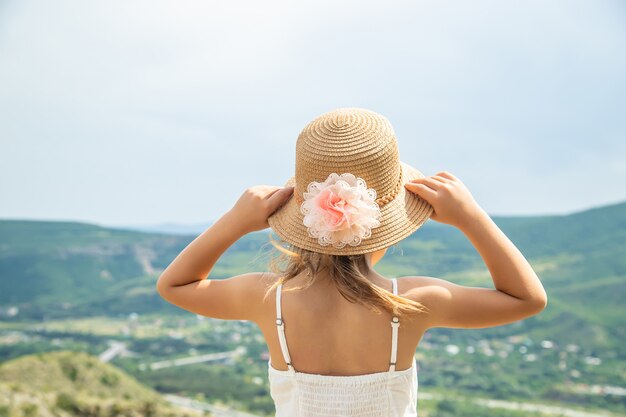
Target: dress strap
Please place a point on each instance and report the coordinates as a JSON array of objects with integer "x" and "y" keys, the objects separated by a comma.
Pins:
[
  {"x": 395, "y": 323},
  {"x": 280, "y": 324}
]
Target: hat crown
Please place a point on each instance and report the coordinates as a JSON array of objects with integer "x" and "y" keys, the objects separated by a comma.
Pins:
[
  {"x": 354, "y": 140},
  {"x": 361, "y": 143}
]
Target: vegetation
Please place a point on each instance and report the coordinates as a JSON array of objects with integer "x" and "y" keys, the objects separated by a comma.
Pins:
[
  {"x": 76, "y": 287},
  {"x": 67, "y": 383}
]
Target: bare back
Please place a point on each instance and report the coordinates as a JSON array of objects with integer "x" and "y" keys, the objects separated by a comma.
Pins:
[{"x": 329, "y": 335}]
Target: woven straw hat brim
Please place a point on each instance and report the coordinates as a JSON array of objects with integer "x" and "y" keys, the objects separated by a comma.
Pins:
[{"x": 402, "y": 216}]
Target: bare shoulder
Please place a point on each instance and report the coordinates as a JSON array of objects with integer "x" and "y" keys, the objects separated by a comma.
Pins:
[
  {"x": 241, "y": 297},
  {"x": 458, "y": 306},
  {"x": 411, "y": 285},
  {"x": 267, "y": 279},
  {"x": 419, "y": 285},
  {"x": 264, "y": 281}
]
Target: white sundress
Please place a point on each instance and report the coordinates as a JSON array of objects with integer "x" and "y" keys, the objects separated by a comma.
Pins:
[{"x": 382, "y": 394}]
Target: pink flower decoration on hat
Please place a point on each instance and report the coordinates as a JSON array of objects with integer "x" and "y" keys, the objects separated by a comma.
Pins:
[{"x": 341, "y": 210}]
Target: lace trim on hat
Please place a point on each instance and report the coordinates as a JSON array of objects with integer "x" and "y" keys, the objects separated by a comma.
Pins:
[
  {"x": 381, "y": 201},
  {"x": 340, "y": 211}
]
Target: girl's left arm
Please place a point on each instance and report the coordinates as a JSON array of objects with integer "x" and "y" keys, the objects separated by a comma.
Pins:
[{"x": 185, "y": 282}]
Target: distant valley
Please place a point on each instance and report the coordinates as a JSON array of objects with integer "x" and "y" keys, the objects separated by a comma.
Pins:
[{"x": 79, "y": 286}]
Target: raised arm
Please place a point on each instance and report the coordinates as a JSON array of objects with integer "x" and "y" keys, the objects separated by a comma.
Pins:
[
  {"x": 186, "y": 282},
  {"x": 518, "y": 292}
]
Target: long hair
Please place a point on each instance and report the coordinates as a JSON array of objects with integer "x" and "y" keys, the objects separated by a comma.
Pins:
[{"x": 345, "y": 272}]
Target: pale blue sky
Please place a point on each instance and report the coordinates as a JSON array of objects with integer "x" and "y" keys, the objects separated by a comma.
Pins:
[{"x": 141, "y": 112}]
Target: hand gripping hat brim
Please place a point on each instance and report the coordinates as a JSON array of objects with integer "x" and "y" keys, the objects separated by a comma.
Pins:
[{"x": 361, "y": 142}]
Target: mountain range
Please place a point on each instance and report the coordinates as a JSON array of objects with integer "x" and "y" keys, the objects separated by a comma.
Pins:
[{"x": 62, "y": 269}]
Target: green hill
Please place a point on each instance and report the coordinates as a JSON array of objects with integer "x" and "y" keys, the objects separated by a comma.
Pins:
[
  {"x": 54, "y": 269},
  {"x": 68, "y": 269},
  {"x": 75, "y": 285},
  {"x": 65, "y": 383}
]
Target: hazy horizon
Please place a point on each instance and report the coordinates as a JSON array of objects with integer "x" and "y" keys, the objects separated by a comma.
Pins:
[{"x": 157, "y": 112}]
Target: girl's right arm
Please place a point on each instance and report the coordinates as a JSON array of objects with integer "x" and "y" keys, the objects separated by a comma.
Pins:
[{"x": 519, "y": 293}]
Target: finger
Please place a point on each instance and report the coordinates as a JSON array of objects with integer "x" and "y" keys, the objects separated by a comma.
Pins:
[
  {"x": 447, "y": 174},
  {"x": 280, "y": 196},
  {"x": 422, "y": 190},
  {"x": 272, "y": 192},
  {"x": 442, "y": 179},
  {"x": 428, "y": 181}
]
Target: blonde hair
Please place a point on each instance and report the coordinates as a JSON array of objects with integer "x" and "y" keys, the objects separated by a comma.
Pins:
[{"x": 345, "y": 273}]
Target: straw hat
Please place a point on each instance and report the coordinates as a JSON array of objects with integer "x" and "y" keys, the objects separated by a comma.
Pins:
[{"x": 347, "y": 161}]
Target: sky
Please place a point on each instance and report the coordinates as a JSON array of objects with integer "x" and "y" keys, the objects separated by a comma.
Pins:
[{"x": 149, "y": 112}]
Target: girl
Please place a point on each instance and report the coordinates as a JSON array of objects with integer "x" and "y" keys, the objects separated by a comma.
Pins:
[{"x": 342, "y": 337}]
